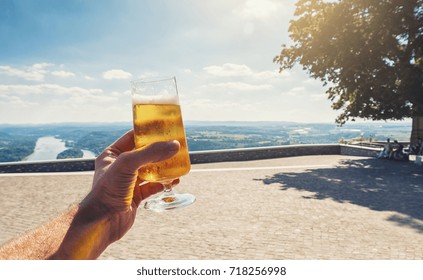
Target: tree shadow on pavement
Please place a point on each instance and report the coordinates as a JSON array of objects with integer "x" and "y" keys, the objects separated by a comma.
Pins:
[{"x": 380, "y": 185}]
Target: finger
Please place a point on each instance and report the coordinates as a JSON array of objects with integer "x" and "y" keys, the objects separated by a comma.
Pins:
[
  {"x": 109, "y": 155},
  {"x": 133, "y": 160},
  {"x": 150, "y": 188},
  {"x": 146, "y": 189},
  {"x": 175, "y": 182},
  {"x": 124, "y": 143}
]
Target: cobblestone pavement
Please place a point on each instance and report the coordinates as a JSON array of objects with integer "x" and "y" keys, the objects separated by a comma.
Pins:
[{"x": 310, "y": 207}]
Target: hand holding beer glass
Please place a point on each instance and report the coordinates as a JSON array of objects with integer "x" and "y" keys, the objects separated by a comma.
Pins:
[{"x": 157, "y": 117}]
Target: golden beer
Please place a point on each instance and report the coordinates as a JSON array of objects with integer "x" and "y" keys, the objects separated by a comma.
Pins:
[
  {"x": 156, "y": 122},
  {"x": 157, "y": 118}
]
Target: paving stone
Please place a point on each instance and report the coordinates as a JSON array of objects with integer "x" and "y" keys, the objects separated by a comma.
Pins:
[{"x": 308, "y": 207}]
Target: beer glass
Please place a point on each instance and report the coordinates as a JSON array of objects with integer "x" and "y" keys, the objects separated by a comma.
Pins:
[{"x": 157, "y": 117}]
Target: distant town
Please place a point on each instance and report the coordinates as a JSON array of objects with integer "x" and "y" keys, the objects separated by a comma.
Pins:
[{"x": 78, "y": 140}]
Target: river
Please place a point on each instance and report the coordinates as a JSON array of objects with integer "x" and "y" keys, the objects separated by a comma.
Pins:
[{"x": 48, "y": 147}]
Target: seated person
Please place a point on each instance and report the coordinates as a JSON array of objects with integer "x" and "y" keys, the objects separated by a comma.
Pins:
[
  {"x": 417, "y": 148},
  {"x": 398, "y": 152},
  {"x": 387, "y": 149}
]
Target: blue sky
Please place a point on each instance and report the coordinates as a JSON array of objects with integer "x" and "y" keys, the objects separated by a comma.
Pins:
[{"x": 72, "y": 61}]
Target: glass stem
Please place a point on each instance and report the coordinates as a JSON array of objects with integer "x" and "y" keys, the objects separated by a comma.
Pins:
[
  {"x": 168, "y": 195},
  {"x": 168, "y": 189}
]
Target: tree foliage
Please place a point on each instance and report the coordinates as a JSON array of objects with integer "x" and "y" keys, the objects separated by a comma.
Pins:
[
  {"x": 368, "y": 53},
  {"x": 70, "y": 153}
]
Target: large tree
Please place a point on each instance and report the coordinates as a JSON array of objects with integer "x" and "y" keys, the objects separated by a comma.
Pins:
[{"x": 369, "y": 53}]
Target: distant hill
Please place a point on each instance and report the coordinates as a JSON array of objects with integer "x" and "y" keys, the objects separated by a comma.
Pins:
[
  {"x": 18, "y": 141},
  {"x": 237, "y": 123}
]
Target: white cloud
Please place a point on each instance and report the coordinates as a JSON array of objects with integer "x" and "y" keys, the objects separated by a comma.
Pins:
[
  {"x": 249, "y": 28},
  {"x": 41, "y": 65},
  {"x": 240, "y": 86},
  {"x": 228, "y": 70},
  {"x": 269, "y": 75},
  {"x": 11, "y": 100},
  {"x": 47, "y": 89},
  {"x": 148, "y": 74},
  {"x": 63, "y": 74},
  {"x": 246, "y": 33},
  {"x": 242, "y": 70},
  {"x": 258, "y": 9},
  {"x": 318, "y": 96},
  {"x": 117, "y": 74},
  {"x": 205, "y": 109},
  {"x": 298, "y": 89},
  {"x": 37, "y": 87},
  {"x": 35, "y": 72}
]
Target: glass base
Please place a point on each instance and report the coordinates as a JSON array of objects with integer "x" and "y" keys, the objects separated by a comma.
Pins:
[{"x": 169, "y": 201}]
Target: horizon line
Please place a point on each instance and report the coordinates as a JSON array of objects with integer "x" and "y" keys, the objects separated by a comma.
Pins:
[{"x": 408, "y": 120}]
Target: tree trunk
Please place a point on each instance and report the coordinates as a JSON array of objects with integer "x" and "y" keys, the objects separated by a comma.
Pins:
[{"x": 417, "y": 129}]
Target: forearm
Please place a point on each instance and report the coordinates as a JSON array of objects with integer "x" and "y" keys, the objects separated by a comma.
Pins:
[
  {"x": 86, "y": 238},
  {"x": 42, "y": 242},
  {"x": 72, "y": 235}
]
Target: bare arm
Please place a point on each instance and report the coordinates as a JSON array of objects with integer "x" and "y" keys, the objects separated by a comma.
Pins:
[
  {"x": 41, "y": 242},
  {"x": 71, "y": 235},
  {"x": 105, "y": 214}
]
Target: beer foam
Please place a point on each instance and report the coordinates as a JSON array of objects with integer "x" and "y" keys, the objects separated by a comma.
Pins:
[{"x": 158, "y": 99}]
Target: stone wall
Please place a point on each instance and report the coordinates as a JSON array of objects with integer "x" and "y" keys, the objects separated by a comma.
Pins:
[
  {"x": 353, "y": 150},
  {"x": 68, "y": 165},
  {"x": 263, "y": 153},
  {"x": 60, "y": 165}
]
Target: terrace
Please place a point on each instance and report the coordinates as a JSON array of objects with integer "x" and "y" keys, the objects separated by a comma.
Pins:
[{"x": 296, "y": 202}]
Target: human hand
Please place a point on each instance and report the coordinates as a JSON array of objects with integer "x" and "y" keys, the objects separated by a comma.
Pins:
[
  {"x": 106, "y": 213},
  {"x": 116, "y": 192}
]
